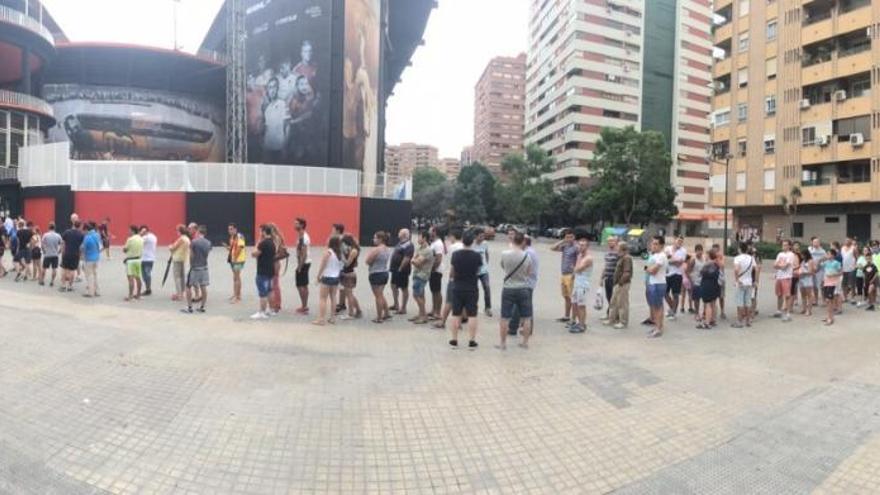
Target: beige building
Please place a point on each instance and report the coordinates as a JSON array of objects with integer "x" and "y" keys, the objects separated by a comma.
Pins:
[
  {"x": 401, "y": 160},
  {"x": 794, "y": 111},
  {"x": 450, "y": 166},
  {"x": 499, "y": 111},
  {"x": 467, "y": 155}
]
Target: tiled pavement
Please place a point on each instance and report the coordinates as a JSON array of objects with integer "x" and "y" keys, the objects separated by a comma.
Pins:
[{"x": 109, "y": 397}]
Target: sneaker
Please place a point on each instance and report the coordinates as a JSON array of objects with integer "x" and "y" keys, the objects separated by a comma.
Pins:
[
  {"x": 562, "y": 320},
  {"x": 671, "y": 317},
  {"x": 273, "y": 313},
  {"x": 259, "y": 315},
  {"x": 777, "y": 314},
  {"x": 605, "y": 321},
  {"x": 619, "y": 326},
  {"x": 472, "y": 345},
  {"x": 453, "y": 343},
  {"x": 786, "y": 317},
  {"x": 148, "y": 292},
  {"x": 870, "y": 308},
  {"x": 670, "y": 313},
  {"x": 647, "y": 321},
  {"x": 188, "y": 311},
  {"x": 736, "y": 325}
]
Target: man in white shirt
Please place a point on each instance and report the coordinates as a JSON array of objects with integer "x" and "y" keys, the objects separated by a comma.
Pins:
[
  {"x": 848, "y": 253},
  {"x": 677, "y": 257},
  {"x": 455, "y": 244},
  {"x": 436, "y": 281},
  {"x": 742, "y": 269},
  {"x": 303, "y": 264},
  {"x": 784, "y": 267},
  {"x": 656, "y": 270},
  {"x": 148, "y": 258}
]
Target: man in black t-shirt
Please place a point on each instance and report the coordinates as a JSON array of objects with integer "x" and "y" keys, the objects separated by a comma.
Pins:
[
  {"x": 401, "y": 269},
  {"x": 73, "y": 239},
  {"x": 25, "y": 234},
  {"x": 871, "y": 282},
  {"x": 265, "y": 255},
  {"x": 465, "y": 271}
]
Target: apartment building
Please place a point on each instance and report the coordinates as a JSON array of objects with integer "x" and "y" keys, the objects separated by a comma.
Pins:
[
  {"x": 450, "y": 166},
  {"x": 618, "y": 63},
  {"x": 403, "y": 159},
  {"x": 794, "y": 118},
  {"x": 467, "y": 155},
  {"x": 499, "y": 111}
]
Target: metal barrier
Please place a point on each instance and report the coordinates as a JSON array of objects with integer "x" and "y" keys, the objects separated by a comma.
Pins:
[{"x": 18, "y": 18}]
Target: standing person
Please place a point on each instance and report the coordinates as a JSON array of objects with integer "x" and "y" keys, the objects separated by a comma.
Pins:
[
  {"x": 422, "y": 262},
  {"x": 514, "y": 324},
  {"x": 455, "y": 243},
  {"x": 674, "y": 275},
  {"x": 784, "y": 266},
  {"x": 36, "y": 254},
  {"x": 849, "y": 254},
  {"x": 465, "y": 269},
  {"x": 695, "y": 266},
  {"x": 4, "y": 243},
  {"x": 281, "y": 254},
  {"x": 24, "y": 254},
  {"x": 378, "y": 261},
  {"x": 72, "y": 240},
  {"x": 134, "y": 249},
  {"x": 833, "y": 272},
  {"x": 236, "y": 256},
  {"x": 817, "y": 252},
  {"x": 608, "y": 272},
  {"x": 51, "y": 243},
  {"x": 348, "y": 277},
  {"x": 656, "y": 289},
  {"x": 401, "y": 268},
  {"x": 328, "y": 278},
  {"x": 618, "y": 307},
  {"x": 569, "y": 250},
  {"x": 199, "y": 277},
  {"x": 265, "y": 255},
  {"x": 743, "y": 264},
  {"x": 104, "y": 231},
  {"x": 580, "y": 294},
  {"x": 179, "y": 256},
  {"x": 872, "y": 281},
  {"x": 808, "y": 272},
  {"x": 92, "y": 247},
  {"x": 710, "y": 290},
  {"x": 148, "y": 259},
  {"x": 720, "y": 257},
  {"x": 515, "y": 293},
  {"x": 339, "y": 231},
  {"x": 436, "y": 281},
  {"x": 303, "y": 264},
  {"x": 861, "y": 262},
  {"x": 756, "y": 278},
  {"x": 482, "y": 248}
]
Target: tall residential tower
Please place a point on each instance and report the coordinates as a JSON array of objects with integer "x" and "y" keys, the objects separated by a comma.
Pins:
[{"x": 499, "y": 111}]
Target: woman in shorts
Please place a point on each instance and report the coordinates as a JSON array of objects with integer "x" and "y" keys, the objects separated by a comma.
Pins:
[
  {"x": 36, "y": 253},
  {"x": 328, "y": 279},
  {"x": 349, "y": 277},
  {"x": 808, "y": 272},
  {"x": 378, "y": 260},
  {"x": 710, "y": 290}
]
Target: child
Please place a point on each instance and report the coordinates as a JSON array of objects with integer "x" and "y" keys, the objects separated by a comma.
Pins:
[
  {"x": 833, "y": 272},
  {"x": 808, "y": 271}
]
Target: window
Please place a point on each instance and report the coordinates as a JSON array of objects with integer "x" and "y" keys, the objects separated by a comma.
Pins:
[
  {"x": 832, "y": 219},
  {"x": 770, "y": 105},
  {"x": 860, "y": 87},
  {"x": 854, "y": 173},
  {"x": 720, "y": 150},
  {"x": 797, "y": 229},
  {"x": 741, "y": 181},
  {"x": 743, "y": 7},
  {"x": 722, "y": 117},
  {"x": 743, "y": 44},
  {"x": 808, "y": 135},
  {"x": 769, "y": 145},
  {"x": 770, "y": 68},
  {"x": 742, "y": 112},
  {"x": 741, "y": 147},
  {"x": 769, "y": 180},
  {"x": 771, "y": 30},
  {"x": 843, "y": 128},
  {"x": 742, "y": 77}
]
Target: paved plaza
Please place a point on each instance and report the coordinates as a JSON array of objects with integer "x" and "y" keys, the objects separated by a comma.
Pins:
[{"x": 102, "y": 396}]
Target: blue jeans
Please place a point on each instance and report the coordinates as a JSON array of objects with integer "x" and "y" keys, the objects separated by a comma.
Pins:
[
  {"x": 264, "y": 286},
  {"x": 147, "y": 273},
  {"x": 515, "y": 319}
]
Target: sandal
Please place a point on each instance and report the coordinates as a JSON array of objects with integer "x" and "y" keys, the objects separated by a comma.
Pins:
[
  {"x": 377, "y": 320},
  {"x": 319, "y": 323},
  {"x": 655, "y": 334}
]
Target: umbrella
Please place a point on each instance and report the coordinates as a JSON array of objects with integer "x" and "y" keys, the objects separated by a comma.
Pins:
[{"x": 167, "y": 269}]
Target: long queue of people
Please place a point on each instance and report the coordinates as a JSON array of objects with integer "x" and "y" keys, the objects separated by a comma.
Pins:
[{"x": 681, "y": 282}]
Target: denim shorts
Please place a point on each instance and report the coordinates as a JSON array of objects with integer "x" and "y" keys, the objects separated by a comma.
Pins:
[
  {"x": 516, "y": 299},
  {"x": 743, "y": 296},
  {"x": 264, "y": 285},
  {"x": 330, "y": 281},
  {"x": 656, "y": 293},
  {"x": 418, "y": 287}
]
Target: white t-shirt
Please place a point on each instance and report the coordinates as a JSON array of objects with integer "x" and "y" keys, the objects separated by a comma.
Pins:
[
  {"x": 849, "y": 259},
  {"x": 660, "y": 276},
  {"x": 788, "y": 271},
  {"x": 334, "y": 266},
  {"x": 679, "y": 254},
  {"x": 306, "y": 241},
  {"x": 455, "y": 246},
  {"x": 743, "y": 264},
  {"x": 150, "y": 242},
  {"x": 439, "y": 248}
]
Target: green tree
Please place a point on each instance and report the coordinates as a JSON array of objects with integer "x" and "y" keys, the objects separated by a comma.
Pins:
[
  {"x": 631, "y": 170},
  {"x": 426, "y": 178},
  {"x": 475, "y": 193},
  {"x": 531, "y": 165},
  {"x": 432, "y": 203},
  {"x": 526, "y": 197}
]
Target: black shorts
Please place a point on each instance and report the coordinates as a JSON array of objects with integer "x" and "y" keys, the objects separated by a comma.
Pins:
[
  {"x": 828, "y": 292},
  {"x": 794, "y": 285},
  {"x": 379, "y": 279},
  {"x": 400, "y": 279},
  {"x": 673, "y": 284},
  {"x": 50, "y": 262},
  {"x": 70, "y": 262},
  {"x": 465, "y": 302},
  {"x": 302, "y": 276},
  {"x": 436, "y": 282}
]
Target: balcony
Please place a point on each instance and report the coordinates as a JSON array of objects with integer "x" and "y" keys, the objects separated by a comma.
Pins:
[
  {"x": 722, "y": 67},
  {"x": 844, "y": 151},
  {"x": 859, "y": 18},
  {"x": 723, "y": 32},
  {"x": 854, "y": 62},
  {"x": 849, "y": 193},
  {"x": 814, "y": 154},
  {"x": 722, "y": 4},
  {"x": 817, "y": 72},
  {"x": 854, "y": 107},
  {"x": 818, "y": 31},
  {"x": 721, "y": 100},
  {"x": 17, "y": 18},
  {"x": 816, "y": 194},
  {"x": 25, "y": 103},
  {"x": 816, "y": 113}
]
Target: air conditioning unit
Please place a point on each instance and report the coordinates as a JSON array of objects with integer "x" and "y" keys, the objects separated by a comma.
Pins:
[
  {"x": 840, "y": 95},
  {"x": 856, "y": 139},
  {"x": 823, "y": 140},
  {"x": 805, "y": 103}
]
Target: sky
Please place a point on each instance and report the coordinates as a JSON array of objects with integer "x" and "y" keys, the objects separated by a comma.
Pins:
[{"x": 433, "y": 103}]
